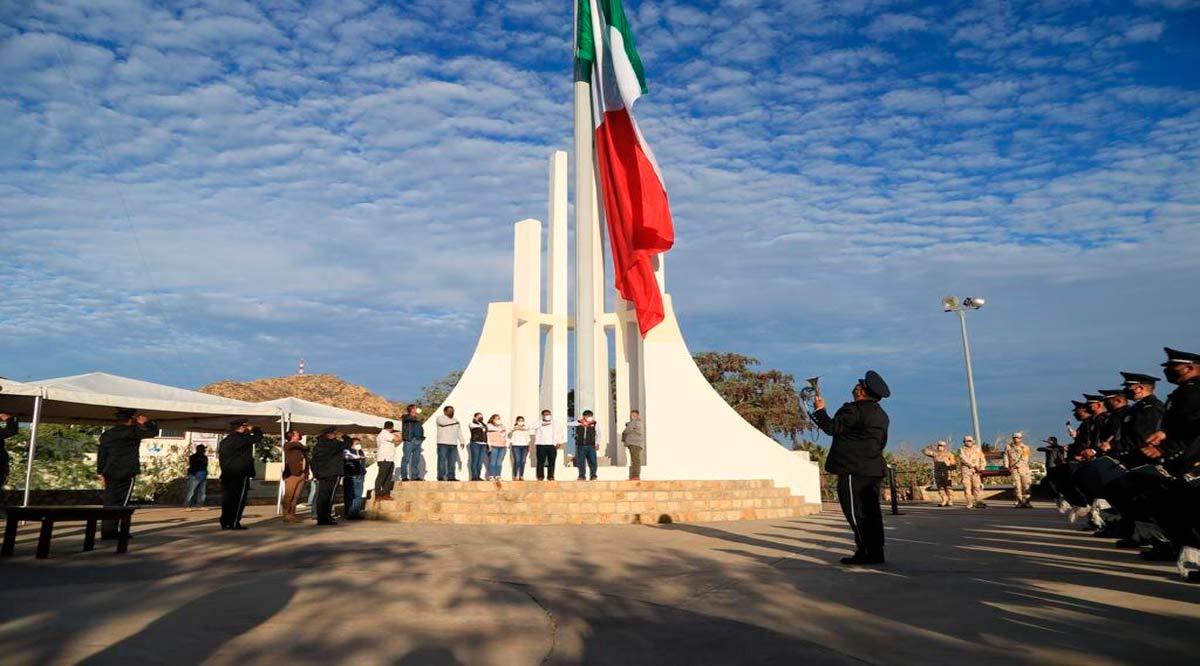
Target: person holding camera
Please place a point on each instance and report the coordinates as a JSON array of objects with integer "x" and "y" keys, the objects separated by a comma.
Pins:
[
  {"x": 860, "y": 431},
  {"x": 235, "y": 453}
]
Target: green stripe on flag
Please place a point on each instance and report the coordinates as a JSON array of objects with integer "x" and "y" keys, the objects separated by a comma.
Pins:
[{"x": 614, "y": 15}]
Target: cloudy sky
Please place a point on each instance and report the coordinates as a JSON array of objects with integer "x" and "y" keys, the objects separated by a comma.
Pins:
[{"x": 200, "y": 190}]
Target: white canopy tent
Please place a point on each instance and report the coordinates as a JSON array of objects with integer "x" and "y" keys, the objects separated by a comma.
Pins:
[
  {"x": 92, "y": 399},
  {"x": 310, "y": 418}
]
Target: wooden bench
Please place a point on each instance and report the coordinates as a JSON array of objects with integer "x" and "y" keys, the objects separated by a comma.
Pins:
[{"x": 48, "y": 515}]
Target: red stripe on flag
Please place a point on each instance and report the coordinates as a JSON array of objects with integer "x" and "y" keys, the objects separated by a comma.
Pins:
[{"x": 638, "y": 215}]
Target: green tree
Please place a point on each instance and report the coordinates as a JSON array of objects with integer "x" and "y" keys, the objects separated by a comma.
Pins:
[
  {"x": 437, "y": 392},
  {"x": 61, "y": 459},
  {"x": 765, "y": 398}
]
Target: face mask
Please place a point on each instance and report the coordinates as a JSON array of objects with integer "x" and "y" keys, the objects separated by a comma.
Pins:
[
  {"x": 546, "y": 419},
  {"x": 1172, "y": 374}
]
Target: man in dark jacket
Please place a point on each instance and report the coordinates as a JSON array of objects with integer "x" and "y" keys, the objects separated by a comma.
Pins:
[
  {"x": 859, "y": 430},
  {"x": 412, "y": 433},
  {"x": 328, "y": 463},
  {"x": 118, "y": 460},
  {"x": 8, "y": 428},
  {"x": 235, "y": 453}
]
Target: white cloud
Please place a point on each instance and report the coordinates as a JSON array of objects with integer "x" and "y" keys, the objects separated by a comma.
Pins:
[{"x": 221, "y": 190}]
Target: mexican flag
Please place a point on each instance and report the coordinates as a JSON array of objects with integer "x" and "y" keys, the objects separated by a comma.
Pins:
[{"x": 635, "y": 201}]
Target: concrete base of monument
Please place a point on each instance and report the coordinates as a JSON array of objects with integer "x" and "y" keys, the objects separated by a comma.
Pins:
[{"x": 588, "y": 502}]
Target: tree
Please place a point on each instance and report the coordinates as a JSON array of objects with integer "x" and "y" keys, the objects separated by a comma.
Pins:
[
  {"x": 437, "y": 392},
  {"x": 765, "y": 398}
]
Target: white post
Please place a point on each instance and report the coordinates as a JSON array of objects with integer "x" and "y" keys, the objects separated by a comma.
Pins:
[
  {"x": 33, "y": 428},
  {"x": 962, "y": 317},
  {"x": 283, "y": 428},
  {"x": 554, "y": 379},
  {"x": 585, "y": 269}
]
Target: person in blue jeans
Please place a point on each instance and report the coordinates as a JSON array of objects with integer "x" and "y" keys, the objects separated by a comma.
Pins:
[
  {"x": 497, "y": 447},
  {"x": 518, "y": 440},
  {"x": 477, "y": 448},
  {"x": 354, "y": 473},
  {"x": 197, "y": 480},
  {"x": 587, "y": 434},
  {"x": 412, "y": 432}
]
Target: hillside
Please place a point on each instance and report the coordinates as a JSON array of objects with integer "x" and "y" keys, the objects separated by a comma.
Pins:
[{"x": 325, "y": 389}]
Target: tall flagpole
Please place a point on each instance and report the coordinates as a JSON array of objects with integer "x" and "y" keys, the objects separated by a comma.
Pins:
[{"x": 585, "y": 269}]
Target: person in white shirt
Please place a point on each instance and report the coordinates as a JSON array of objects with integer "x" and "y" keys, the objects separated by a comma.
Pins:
[
  {"x": 518, "y": 440},
  {"x": 449, "y": 441},
  {"x": 547, "y": 442},
  {"x": 385, "y": 458}
]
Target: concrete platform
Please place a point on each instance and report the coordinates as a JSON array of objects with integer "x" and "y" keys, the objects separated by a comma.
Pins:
[
  {"x": 999, "y": 586},
  {"x": 588, "y": 502}
]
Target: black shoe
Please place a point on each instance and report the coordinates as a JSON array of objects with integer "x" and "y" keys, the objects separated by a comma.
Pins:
[
  {"x": 1127, "y": 543},
  {"x": 327, "y": 522},
  {"x": 239, "y": 527},
  {"x": 1161, "y": 552},
  {"x": 862, "y": 558}
]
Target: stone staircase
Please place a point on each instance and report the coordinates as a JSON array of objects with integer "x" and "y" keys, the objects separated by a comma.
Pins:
[{"x": 587, "y": 502}]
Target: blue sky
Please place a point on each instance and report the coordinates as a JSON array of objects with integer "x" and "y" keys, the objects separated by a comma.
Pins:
[{"x": 202, "y": 190}]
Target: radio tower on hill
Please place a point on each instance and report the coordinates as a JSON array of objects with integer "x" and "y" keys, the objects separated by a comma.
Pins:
[{"x": 300, "y": 369}]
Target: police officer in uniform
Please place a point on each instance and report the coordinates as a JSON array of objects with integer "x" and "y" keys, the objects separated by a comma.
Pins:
[
  {"x": 236, "y": 455},
  {"x": 860, "y": 431},
  {"x": 1117, "y": 404},
  {"x": 118, "y": 460},
  {"x": 1176, "y": 446},
  {"x": 328, "y": 464},
  {"x": 1138, "y": 422},
  {"x": 1141, "y": 419}
]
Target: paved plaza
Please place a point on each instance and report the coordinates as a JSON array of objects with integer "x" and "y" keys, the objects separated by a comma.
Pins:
[{"x": 994, "y": 586}]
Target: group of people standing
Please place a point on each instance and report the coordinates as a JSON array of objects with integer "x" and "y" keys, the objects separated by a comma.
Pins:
[{"x": 972, "y": 462}]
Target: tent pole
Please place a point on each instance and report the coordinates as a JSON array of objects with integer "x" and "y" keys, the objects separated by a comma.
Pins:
[
  {"x": 283, "y": 428},
  {"x": 33, "y": 428}
]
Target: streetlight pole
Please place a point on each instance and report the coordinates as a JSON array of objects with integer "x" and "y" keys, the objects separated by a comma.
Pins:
[
  {"x": 962, "y": 319},
  {"x": 953, "y": 304}
]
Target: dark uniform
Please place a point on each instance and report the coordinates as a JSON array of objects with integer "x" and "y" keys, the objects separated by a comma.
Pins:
[
  {"x": 8, "y": 428},
  {"x": 119, "y": 462},
  {"x": 1140, "y": 421},
  {"x": 235, "y": 453},
  {"x": 328, "y": 463},
  {"x": 860, "y": 431},
  {"x": 1176, "y": 510}
]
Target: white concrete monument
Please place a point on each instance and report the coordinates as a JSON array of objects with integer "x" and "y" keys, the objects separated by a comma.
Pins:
[{"x": 520, "y": 367}]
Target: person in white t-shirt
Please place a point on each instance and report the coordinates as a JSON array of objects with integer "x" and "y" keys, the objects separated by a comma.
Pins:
[
  {"x": 385, "y": 458},
  {"x": 547, "y": 441},
  {"x": 518, "y": 439}
]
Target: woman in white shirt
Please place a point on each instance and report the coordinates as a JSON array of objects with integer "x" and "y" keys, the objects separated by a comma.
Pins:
[
  {"x": 519, "y": 439},
  {"x": 497, "y": 441}
]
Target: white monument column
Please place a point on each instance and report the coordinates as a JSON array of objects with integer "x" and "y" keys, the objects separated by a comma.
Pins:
[
  {"x": 554, "y": 364},
  {"x": 586, "y": 266}
]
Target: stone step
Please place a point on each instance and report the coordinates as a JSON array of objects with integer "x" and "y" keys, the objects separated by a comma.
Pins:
[
  {"x": 588, "y": 502},
  {"x": 573, "y": 484},
  {"x": 581, "y": 495}
]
